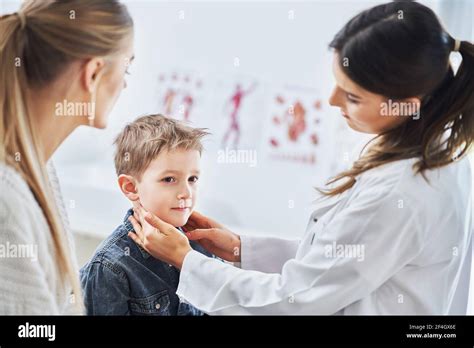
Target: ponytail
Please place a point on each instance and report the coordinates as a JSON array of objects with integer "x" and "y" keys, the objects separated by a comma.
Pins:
[
  {"x": 43, "y": 29},
  {"x": 453, "y": 105},
  {"x": 406, "y": 58},
  {"x": 19, "y": 144}
]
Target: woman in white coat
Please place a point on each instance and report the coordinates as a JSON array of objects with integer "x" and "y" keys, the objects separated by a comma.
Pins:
[{"x": 387, "y": 236}]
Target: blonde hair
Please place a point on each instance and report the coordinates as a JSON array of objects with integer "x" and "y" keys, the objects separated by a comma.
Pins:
[
  {"x": 144, "y": 139},
  {"x": 36, "y": 45}
]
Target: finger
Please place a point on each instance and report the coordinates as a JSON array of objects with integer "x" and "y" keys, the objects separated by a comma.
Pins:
[
  {"x": 206, "y": 222},
  {"x": 136, "y": 204},
  {"x": 137, "y": 216},
  {"x": 199, "y": 234},
  {"x": 190, "y": 225},
  {"x": 156, "y": 222},
  {"x": 136, "y": 227},
  {"x": 135, "y": 238},
  {"x": 197, "y": 220},
  {"x": 138, "y": 210},
  {"x": 198, "y": 217}
]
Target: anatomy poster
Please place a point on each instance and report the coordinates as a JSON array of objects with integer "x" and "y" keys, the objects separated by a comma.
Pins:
[
  {"x": 181, "y": 95},
  {"x": 236, "y": 119},
  {"x": 293, "y": 125}
]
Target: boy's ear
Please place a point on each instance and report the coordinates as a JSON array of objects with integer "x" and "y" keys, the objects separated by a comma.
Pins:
[{"x": 128, "y": 186}]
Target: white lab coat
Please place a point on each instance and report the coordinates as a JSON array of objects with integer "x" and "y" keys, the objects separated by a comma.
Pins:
[{"x": 392, "y": 244}]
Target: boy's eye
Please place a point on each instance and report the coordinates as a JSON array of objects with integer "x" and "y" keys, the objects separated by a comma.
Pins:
[
  {"x": 193, "y": 179},
  {"x": 169, "y": 179}
]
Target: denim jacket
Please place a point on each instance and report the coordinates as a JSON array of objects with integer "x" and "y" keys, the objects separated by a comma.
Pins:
[{"x": 123, "y": 279}]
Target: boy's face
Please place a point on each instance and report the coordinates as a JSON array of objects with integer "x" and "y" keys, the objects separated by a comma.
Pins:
[{"x": 168, "y": 187}]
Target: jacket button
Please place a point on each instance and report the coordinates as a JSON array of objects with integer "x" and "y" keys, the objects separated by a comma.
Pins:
[
  {"x": 315, "y": 219},
  {"x": 157, "y": 306}
]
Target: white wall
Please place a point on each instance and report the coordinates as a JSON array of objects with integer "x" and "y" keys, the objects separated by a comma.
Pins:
[{"x": 275, "y": 51}]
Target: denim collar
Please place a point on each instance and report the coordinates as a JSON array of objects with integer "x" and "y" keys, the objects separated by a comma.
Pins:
[{"x": 129, "y": 227}]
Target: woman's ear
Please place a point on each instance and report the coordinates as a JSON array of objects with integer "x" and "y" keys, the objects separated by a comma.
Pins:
[
  {"x": 93, "y": 68},
  {"x": 127, "y": 184}
]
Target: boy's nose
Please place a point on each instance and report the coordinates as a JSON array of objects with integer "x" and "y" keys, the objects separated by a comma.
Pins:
[{"x": 185, "y": 192}]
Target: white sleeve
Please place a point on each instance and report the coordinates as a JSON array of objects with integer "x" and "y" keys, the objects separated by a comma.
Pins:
[
  {"x": 24, "y": 286},
  {"x": 318, "y": 283},
  {"x": 266, "y": 254}
]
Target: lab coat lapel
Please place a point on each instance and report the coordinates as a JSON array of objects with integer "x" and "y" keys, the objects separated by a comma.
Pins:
[{"x": 323, "y": 204}]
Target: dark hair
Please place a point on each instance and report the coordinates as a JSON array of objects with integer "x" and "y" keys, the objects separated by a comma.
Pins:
[{"x": 400, "y": 50}]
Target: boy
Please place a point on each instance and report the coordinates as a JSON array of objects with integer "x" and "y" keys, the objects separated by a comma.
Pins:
[{"x": 157, "y": 161}]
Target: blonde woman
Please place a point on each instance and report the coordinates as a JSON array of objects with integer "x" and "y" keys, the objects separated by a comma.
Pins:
[{"x": 50, "y": 51}]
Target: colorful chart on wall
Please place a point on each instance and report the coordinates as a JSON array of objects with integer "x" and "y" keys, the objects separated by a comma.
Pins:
[
  {"x": 181, "y": 95},
  {"x": 236, "y": 118},
  {"x": 292, "y": 125}
]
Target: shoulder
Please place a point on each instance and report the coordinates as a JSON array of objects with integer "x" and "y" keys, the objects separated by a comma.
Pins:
[
  {"x": 400, "y": 176},
  {"x": 381, "y": 184},
  {"x": 388, "y": 175},
  {"x": 397, "y": 184},
  {"x": 15, "y": 190},
  {"x": 18, "y": 207},
  {"x": 113, "y": 252}
]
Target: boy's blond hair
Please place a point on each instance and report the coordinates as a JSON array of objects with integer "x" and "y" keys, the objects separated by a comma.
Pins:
[{"x": 141, "y": 141}]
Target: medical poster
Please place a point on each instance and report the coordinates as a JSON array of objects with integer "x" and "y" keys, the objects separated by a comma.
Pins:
[
  {"x": 237, "y": 112},
  {"x": 181, "y": 95},
  {"x": 293, "y": 125}
]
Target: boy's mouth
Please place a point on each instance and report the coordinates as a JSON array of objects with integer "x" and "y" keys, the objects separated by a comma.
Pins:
[{"x": 181, "y": 209}]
